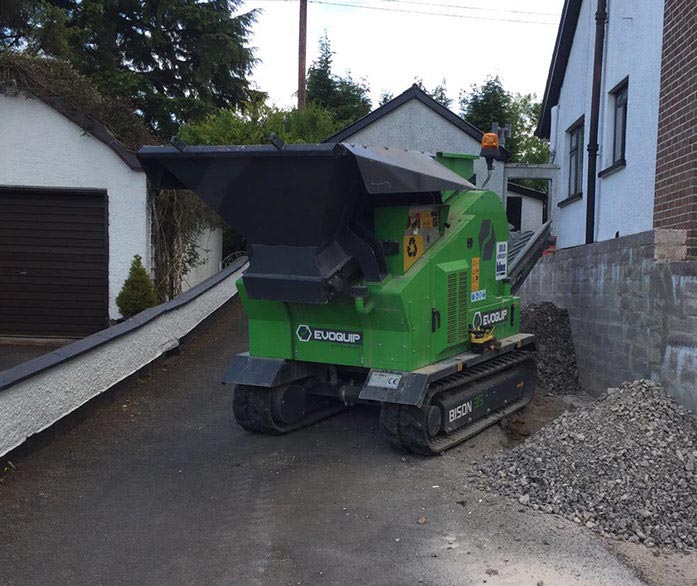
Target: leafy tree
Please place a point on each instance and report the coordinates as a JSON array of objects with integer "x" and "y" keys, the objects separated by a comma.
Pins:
[
  {"x": 34, "y": 25},
  {"x": 321, "y": 82},
  {"x": 15, "y": 21},
  {"x": 438, "y": 93},
  {"x": 352, "y": 100},
  {"x": 138, "y": 292},
  {"x": 346, "y": 98},
  {"x": 524, "y": 112},
  {"x": 312, "y": 124},
  {"x": 385, "y": 97},
  {"x": 174, "y": 60},
  {"x": 485, "y": 104}
]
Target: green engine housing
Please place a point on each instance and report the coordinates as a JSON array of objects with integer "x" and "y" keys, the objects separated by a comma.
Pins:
[{"x": 447, "y": 268}]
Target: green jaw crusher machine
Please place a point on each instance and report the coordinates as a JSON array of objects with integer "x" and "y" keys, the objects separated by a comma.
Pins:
[{"x": 376, "y": 275}]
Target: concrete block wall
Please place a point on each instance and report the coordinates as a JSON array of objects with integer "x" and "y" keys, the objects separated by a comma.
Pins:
[{"x": 632, "y": 316}]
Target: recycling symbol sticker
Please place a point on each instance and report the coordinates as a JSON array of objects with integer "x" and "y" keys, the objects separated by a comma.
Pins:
[{"x": 412, "y": 248}]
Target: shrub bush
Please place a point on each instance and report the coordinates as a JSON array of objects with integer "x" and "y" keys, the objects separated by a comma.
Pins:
[{"x": 138, "y": 292}]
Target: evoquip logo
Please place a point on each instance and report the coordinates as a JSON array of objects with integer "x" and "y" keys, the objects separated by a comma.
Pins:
[
  {"x": 486, "y": 319},
  {"x": 306, "y": 333}
]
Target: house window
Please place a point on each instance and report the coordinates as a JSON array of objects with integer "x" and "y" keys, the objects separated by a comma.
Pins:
[
  {"x": 575, "y": 133},
  {"x": 619, "y": 139}
]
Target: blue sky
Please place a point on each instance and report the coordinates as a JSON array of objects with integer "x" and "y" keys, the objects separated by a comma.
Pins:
[{"x": 390, "y": 42}]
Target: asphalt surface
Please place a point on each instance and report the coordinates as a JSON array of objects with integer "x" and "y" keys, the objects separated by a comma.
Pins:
[
  {"x": 12, "y": 354},
  {"x": 160, "y": 486}
]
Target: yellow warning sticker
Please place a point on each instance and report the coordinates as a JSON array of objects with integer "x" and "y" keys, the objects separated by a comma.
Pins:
[
  {"x": 426, "y": 219},
  {"x": 412, "y": 248},
  {"x": 475, "y": 274}
]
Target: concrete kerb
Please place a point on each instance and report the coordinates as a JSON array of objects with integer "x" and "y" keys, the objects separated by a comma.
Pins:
[{"x": 40, "y": 392}]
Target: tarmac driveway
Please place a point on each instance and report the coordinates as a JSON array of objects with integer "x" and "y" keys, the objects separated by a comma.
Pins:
[
  {"x": 160, "y": 486},
  {"x": 15, "y": 352}
]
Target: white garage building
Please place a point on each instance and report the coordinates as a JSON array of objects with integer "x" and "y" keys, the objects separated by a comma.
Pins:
[{"x": 73, "y": 213}]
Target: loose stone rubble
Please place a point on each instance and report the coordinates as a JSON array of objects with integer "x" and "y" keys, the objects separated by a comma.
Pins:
[
  {"x": 556, "y": 359},
  {"x": 625, "y": 466}
]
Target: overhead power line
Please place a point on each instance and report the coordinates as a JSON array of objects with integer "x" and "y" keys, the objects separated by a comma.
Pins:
[
  {"x": 475, "y": 8},
  {"x": 423, "y": 12},
  {"x": 427, "y": 13}
]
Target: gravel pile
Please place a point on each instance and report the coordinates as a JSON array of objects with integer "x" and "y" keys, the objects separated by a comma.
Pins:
[
  {"x": 625, "y": 466},
  {"x": 556, "y": 359}
]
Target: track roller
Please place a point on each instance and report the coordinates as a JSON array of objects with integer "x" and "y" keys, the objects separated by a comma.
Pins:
[
  {"x": 460, "y": 406},
  {"x": 281, "y": 409}
]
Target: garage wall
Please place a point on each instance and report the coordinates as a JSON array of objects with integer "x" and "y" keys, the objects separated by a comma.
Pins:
[
  {"x": 210, "y": 249},
  {"x": 531, "y": 214},
  {"x": 531, "y": 211},
  {"x": 41, "y": 148}
]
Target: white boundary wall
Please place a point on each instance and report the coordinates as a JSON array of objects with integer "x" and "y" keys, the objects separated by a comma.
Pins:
[{"x": 33, "y": 404}]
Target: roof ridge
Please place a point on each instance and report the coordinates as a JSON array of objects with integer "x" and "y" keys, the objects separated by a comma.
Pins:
[
  {"x": 412, "y": 92},
  {"x": 557, "y": 67}
]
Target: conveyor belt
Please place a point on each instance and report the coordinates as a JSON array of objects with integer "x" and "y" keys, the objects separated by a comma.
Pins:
[{"x": 524, "y": 250}]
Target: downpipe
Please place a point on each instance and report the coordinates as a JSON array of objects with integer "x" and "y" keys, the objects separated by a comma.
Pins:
[{"x": 593, "y": 147}]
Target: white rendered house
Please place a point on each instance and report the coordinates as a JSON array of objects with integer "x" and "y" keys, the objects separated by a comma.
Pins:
[{"x": 618, "y": 199}]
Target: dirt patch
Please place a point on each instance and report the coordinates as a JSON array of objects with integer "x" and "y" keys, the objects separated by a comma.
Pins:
[
  {"x": 543, "y": 409},
  {"x": 657, "y": 569}
]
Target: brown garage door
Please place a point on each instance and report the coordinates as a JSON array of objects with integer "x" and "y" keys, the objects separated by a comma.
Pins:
[{"x": 53, "y": 262}]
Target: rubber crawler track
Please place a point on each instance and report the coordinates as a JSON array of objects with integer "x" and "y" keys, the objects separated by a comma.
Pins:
[
  {"x": 404, "y": 425},
  {"x": 252, "y": 409}
]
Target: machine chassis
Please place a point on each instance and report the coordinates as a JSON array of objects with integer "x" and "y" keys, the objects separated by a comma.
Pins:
[{"x": 425, "y": 411}]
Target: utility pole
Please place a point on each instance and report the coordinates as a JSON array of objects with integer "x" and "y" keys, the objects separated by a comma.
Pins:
[{"x": 302, "y": 50}]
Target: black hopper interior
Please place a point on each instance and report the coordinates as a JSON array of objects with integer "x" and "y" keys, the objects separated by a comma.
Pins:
[{"x": 304, "y": 209}]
